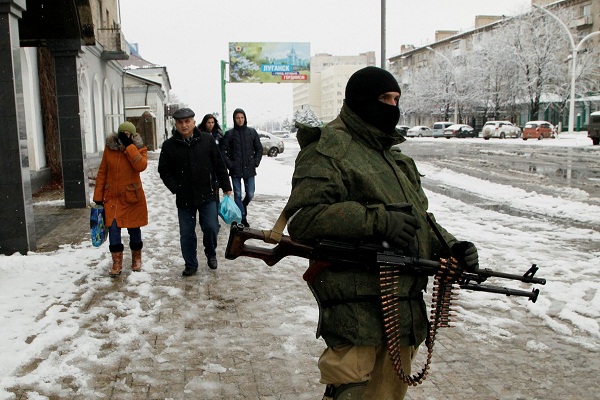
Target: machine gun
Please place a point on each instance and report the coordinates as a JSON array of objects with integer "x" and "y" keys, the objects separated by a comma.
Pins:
[
  {"x": 368, "y": 255},
  {"x": 391, "y": 264}
]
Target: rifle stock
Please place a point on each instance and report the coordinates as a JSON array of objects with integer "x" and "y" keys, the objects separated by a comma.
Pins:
[
  {"x": 326, "y": 251},
  {"x": 237, "y": 246}
]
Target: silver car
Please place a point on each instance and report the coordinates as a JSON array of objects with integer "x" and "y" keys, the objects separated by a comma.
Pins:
[
  {"x": 419, "y": 131},
  {"x": 272, "y": 145}
]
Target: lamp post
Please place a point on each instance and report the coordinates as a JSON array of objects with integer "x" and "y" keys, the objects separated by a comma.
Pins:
[
  {"x": 575, "y": 48},
  {"x": 453, "y": 78},
  {"x": 223, "y": 96},
  {"x": 383, "y": 26}
]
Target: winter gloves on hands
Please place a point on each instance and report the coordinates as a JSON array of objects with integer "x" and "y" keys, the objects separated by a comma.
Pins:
[
  {"x": 125, "y": 139},
  {"x": 398, "y": 228},
  {"x": 466, "y": 254}
]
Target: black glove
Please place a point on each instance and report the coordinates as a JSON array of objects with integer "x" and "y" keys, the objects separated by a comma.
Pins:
[
  {"x": 99, "y": 203},
  {"x": 466, "y": 254},
  {"x": 124, "y": 139},
  {"x": 398, "y": 228}
]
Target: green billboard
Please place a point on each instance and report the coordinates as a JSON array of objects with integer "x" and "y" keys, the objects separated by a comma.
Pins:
[{"x": 269, "y": 62}]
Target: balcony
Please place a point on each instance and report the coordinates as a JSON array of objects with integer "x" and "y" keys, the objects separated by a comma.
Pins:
[
  {"x": 113, "y": 43},
  {"x": 582, "y": 21}
]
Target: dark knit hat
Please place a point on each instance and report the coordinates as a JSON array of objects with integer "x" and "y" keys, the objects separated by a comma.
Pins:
[{"x": 362, "y": 96}]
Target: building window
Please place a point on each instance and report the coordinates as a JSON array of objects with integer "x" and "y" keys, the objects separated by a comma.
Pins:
[{"x": 586, "y": 10}]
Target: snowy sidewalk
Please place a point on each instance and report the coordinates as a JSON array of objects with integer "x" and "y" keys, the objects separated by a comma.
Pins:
[{"x": 244, "y": 331}]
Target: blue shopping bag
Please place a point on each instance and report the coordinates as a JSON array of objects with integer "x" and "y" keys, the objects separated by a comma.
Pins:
[
  {"x": 98, "y": 228},
  {"x": 229, "y": 211}
]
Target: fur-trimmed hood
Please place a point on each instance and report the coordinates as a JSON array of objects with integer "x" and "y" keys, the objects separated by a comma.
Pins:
[{"x": 112, "y": 142}]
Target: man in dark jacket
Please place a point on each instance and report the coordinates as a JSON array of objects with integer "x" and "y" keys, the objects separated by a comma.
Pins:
[
  {"x": 242, "y": 152},
  {"x": 185, "y": 165},
  {"x": 346, "y": 181}
]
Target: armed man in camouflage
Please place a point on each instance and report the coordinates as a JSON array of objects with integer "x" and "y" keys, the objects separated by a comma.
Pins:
[{"x": 346, "y": 178}]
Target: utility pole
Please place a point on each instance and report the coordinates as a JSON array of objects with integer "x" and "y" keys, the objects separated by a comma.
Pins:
[
  {"x": 223, "y": 97},
  {"x": 383, "y": 56}
]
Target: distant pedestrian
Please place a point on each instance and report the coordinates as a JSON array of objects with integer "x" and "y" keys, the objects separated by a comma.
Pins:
[
  {"x": 211, "y": 125},
  {"x": 242, "y": 152},
  {"x": 119, "y": 189},
  {"x": 187, "y": 160}
]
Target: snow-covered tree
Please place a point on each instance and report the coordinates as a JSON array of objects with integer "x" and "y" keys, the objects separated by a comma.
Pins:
[{"x": 307, "y": 116}]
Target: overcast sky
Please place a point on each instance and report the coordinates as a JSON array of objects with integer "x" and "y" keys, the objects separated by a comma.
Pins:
[{"x": 191, "y": 37}]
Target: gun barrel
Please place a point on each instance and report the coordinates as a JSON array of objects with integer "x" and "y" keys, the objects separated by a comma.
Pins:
[
  {"x": 533, "y": 295},
  {"x": 527, "y": 277}
]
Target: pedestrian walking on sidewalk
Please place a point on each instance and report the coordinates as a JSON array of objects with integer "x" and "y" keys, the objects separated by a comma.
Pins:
[
  {"x": 211, "y": 125},
  {"x": 119, "y": 189},
  {"x": 242, "y": 152},
  {"x": 186, "y": 164},
  {"x": 348, "y": 184}
]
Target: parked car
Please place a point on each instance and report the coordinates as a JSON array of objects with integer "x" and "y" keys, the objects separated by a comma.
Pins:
[
  {"x": 403, "y": 129},
  {"x": 272, "y": 145},
  {"x": 438, "y": 128},
  {"x": 419, "y": 131},
  {"x": 500, "y": 129},
  {"x": 283, "y": 134},
  {"x": 538, "y": 130},
  {"x": 459, "y": 131},
  {"x": 594, "y": 128}
]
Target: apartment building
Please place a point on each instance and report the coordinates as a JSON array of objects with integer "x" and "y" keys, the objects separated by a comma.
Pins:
[
  {"x": 324, "y": 94},
  {"x": 454, "y": 45}
]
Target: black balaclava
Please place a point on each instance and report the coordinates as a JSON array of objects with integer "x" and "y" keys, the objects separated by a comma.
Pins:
[
  {"x": 239, "y": 111},
  {"x": 362, "y": 93}
]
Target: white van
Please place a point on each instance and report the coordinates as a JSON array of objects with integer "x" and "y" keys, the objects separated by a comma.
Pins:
[{"x": 438, "y": 128}]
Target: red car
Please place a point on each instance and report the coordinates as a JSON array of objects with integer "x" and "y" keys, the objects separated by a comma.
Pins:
[{"x": 538, "y": 130}]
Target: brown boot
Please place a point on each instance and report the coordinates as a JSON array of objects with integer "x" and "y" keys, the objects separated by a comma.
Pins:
[
  {"x": 117, "y": 264},
  {"x": 136, "y": 260},
  {"x": 136, "y": 255}
]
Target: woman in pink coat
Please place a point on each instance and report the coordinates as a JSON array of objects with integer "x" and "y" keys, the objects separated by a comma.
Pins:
[{"x": 119, "y": 190}]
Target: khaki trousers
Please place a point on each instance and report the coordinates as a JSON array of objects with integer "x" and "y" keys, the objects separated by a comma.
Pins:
[{"x": 349, "y": 364}]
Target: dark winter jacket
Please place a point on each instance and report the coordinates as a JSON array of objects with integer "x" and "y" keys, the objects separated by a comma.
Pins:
[
  {"x": 345, "y": 174},
  {"x": 242, "y": 150},
  {"x": 217, "y": 134},
  {"x": 185, "y": 168}
]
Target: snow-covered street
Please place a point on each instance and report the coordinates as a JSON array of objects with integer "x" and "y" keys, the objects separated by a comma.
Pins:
[{"x": 246, "y": 330}]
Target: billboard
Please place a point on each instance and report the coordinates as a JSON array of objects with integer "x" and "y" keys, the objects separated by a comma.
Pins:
[{"x": 269, "y": 62}]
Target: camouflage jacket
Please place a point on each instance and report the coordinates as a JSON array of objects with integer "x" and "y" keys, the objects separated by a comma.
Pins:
[{"x": 345, "y": 174}]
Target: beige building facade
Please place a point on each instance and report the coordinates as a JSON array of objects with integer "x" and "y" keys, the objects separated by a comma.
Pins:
[{"x": 324, "y": 95}]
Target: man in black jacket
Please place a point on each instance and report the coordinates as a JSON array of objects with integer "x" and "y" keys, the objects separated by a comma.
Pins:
[
  {"x": 186, "y": 161},
  {"x": 242, "y": 152}
]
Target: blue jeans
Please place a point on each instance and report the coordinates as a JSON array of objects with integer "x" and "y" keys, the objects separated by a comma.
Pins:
[
  {"x": 209, "y": 225},
  {"x": 249, "y": 187},
  {"x": 114, "y": 234}
]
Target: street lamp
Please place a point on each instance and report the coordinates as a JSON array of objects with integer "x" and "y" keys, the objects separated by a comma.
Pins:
[
  {"x": 453, "y": 78},
  {"x": 223, "y": 96},
  {"x": 575, "y": 48}
]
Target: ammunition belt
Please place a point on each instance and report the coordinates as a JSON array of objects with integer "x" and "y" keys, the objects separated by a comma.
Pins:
[{"x": 441, "y": 302}]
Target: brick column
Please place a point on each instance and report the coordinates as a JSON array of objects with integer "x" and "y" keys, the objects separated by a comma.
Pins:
[{"x": 17, "y": 229}]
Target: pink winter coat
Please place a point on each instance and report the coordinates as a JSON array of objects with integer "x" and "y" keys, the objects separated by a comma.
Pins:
[{"x": 118, "y": 183}]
